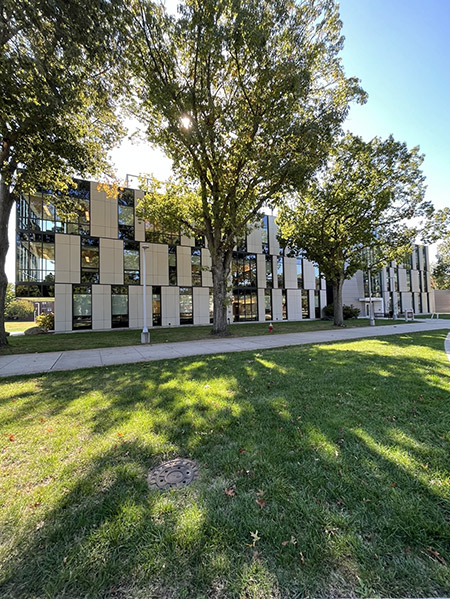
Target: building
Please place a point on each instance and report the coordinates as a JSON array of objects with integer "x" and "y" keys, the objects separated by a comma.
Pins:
[{"x": 91, "y": 263}]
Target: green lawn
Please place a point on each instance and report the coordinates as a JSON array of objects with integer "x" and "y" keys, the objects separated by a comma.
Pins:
[
  {"x": 323, "y": 473},
  {"x": 16, "y": 326},
  {"x": 445, "y": 316},
  {"x": 92, "y": 339}
]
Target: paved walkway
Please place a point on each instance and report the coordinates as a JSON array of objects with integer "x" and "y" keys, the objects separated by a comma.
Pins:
[{"x": 18, "y": 364}]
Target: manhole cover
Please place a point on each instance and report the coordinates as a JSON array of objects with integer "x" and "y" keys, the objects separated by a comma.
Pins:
[{"x": 176, "y": 473}]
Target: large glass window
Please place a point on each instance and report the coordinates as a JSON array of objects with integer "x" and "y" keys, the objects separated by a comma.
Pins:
[
  {"x": 82, "y": 307},
  {"x": 196, "y": 266},
  {"x": 284, "y": 311},
  {"x": 125, "y": 203},
  {"x": 245, "y": 305},
  {"x": 317, "y": 304},
  {"x": 317, "y": 277},
  {"x": 90, "y": 262},
  {"x": 244, "y": 270},
  {"x": 131, "y": 263},
  {"x": 299, "y": 265},
  {"x": 280, "y": 271},
  {"x": 268, "y": 304},
  {"x": 186, "y": 309},
  {"x": 119, "y": 306},
  {"x": 35, "y": 257},
  {"x": 265, "y": 234},
  {"x": 155, "y": 234},
  {"x": 156, "y": 306},
  {"x": 305, "y": 304},
  {"x": 375, "y": 284},
  {"x": 269, "y": 272},
  {"x": 172, "y": 250}
]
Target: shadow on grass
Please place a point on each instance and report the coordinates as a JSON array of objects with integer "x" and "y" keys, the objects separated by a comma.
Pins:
[{"x": 345, "y": 447}]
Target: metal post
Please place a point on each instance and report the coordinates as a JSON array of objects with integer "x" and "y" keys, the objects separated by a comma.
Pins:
[{"x": 145, "y": 335}]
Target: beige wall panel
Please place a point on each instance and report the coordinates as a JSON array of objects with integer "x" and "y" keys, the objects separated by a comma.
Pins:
[
  {"x": 353, "y": 289},
  {"x": 111, "y": 261},
  {"x": 158, "y": 264},
  {"x": 427, "y": 256},
  {"x": 62, "y": 259},
  {"x": 98, "y": 200},
  {"x": 201, "y": 305},
  {"x": 294, "y": 304},
  {"x": 309, "y": 281},
  {"x": 206, "y": 264},
  {"x": 63, "y": 307},
  {"x": 312, "y": 312},
  {"x": 75, "y": 258},
  {"x": 276, "y": 305},
  {"x": 254, "y": 243},
  {"x": 170, "y": 299},
  {"x": 441, "y": 300},
  {"x": 261, "y": 305},
  {"x": 184, "y": 269},
  {"x": 401, "y": 279},
  {"x": 261, "y": 271},
  {"x": 420, "y": 265},
  {"x": 101, "y": 307},
  {"x": 290, "y": 273},
  {"x": 323, "y": 300},
  {"x": 186, "y": 240},
  {"x": 274, "y": 246},
  {"x": 406, "y": 301},
  {"x": 432, "y": 301},
  {"x": 427, "y": 278},
  {"x": 135, "y": 307},
  {"x": 415, "y": 286}
]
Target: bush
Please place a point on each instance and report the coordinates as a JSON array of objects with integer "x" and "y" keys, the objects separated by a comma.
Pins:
[
  {"x": 349, "y": 311},
  {"x": 19, "y": 310},
  {"x": 46, "y": 321}
]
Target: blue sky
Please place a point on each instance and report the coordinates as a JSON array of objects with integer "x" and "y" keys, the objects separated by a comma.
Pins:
[{"x": 400, "y": 49}]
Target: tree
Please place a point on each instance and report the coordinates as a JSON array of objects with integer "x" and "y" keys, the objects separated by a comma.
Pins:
[
  {"x": 57, "y": 99},
  {"x": 356, "y": 209},
  {"x": 245, "y": 98},
  {"x": 441, "y": 270}
]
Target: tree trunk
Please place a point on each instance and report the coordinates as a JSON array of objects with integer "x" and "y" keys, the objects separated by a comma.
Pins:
[
  {"x": 6, "y": 203},
  {"x": 337, "y": 302},
  {"x": 220, "y": 270}
]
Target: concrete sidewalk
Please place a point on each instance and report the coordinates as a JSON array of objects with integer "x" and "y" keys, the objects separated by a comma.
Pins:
[{"x": 19, "y": 364}]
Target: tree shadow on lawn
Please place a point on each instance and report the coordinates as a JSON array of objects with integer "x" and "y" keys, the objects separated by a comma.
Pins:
[{"x": 343, "y": 448}]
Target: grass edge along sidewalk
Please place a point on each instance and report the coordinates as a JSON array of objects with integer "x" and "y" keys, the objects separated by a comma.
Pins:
[
  {"x": 120, "y": 338},
  {"x": 323, "y": 472}
]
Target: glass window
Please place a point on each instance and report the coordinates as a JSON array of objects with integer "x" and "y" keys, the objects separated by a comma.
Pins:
[
  {"x": 244, "y": 270},
  {"x": 265, "y": 234},
  {"x": 125, "y": 203},
  {"x": 196, "y": 266},
  {"x": 375, "y": 284},
  {"x": 156, "y": 306},
  {"x": 284, "y": 312},
  {"x": 245, "y": 305},
  {"x": 35, "y": 257},
  {"x": 186, "y": 311},
  {"x": 131, "y": 263},
  {"x": 211, "y": 305},
  {"x": 305, "y": 304},
  {"x": 119, "y": 306},
  {"x": 82, "y": 307},
  {"x": 90, "y": 262},
  {"x": 268, "y": 304},
  {"x": 280, "y": 271},
  {"x": 408, "y": 280},
  {"x": 172, "y": 250},
  {"x": 317, "y": 277},
  {"x": 299, "y": 264},
  {"x": 154, "y": 234},
  {"x": 269, "y": 272},
  {"x": 317, "y": 304}
]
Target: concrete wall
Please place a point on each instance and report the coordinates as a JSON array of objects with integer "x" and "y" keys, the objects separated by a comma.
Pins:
[
  {"x": 442, "y": 301},
  {"x": 67, "y": 258}
]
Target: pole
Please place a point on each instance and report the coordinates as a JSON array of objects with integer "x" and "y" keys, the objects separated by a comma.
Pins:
[{"x": 145, "y": 335}]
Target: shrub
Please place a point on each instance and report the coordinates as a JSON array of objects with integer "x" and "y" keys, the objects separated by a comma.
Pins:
[
  {"x": 349, "y": 311},
  {"x": 46, "y": 321},
  {"x": 19, "y": 310}
]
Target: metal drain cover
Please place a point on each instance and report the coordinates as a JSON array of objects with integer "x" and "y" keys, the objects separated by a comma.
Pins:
[{"x": 176, "y": 473}]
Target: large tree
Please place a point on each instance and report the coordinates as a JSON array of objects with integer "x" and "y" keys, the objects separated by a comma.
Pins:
[
  {"x": 245, "y": 97},
  {"x": 359, "y": 205},
  {"x": 441, "y": 270},
  {"x": 59, "y": 66}
]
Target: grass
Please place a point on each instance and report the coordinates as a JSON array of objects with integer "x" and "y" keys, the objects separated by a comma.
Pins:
[
  {"x": 14, "y": 326},
  {"x": 93, "y": 339},
  {"x": 345, "y": 446},
  {"x": 445, "y": 316}
]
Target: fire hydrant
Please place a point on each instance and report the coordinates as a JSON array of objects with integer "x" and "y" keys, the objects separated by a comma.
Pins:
[{"x": 270, "y": 327}]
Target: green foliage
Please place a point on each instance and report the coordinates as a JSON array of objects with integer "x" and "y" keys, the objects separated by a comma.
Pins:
[
  {"x": 10, "y": 295},
  {"x": 357, "y": 207},
  {"x": 348, "y": 311},
  {"x": 245, "y": 98},
  {"x": 18, "y": 309},
  {"x": 46, "y": 321},
  {"x": 441, "y": 270}
]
